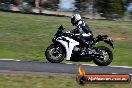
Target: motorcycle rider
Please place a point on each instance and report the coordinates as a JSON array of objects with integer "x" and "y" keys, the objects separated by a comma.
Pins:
[{"x": 81, "y": 30}]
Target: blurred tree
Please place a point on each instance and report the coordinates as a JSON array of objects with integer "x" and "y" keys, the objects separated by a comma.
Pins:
[
  {"x": 16, "y": 2},
  {"x": 50, "y": 4},
  {"x": 85, "y": 6},
  {"x": 110, "y": 8},
  {"x": 31, "y": 2},
  {"x": 129, "y": 1},
  {"x": 4, "y": 1},
  {"x": 36, "y": 2}
]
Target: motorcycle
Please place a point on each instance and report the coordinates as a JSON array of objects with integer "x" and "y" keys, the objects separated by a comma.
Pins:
[{"x": 66, "y": 47}]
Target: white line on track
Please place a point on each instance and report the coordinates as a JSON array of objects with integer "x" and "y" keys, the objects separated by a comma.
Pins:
[
  {"x": 9, "y": 60},
  {"x": 114, "y": 73},
  {"x": 108, "y": 66},
  {"x": 122, "y": 66}
]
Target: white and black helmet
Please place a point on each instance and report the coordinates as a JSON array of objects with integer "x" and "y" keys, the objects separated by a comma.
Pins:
[{"x": 75, "y": 18}]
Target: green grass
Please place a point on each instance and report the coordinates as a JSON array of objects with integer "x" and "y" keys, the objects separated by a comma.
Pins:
[
  {"x": 25, "y": 37},
  {"x": 24, "y": 81}
]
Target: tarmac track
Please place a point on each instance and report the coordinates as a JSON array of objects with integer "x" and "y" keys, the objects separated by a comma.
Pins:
[{"x": 46, "y": 67}]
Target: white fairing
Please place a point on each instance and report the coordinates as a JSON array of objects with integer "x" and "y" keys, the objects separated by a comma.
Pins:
[{"x": 68, "y": 46}]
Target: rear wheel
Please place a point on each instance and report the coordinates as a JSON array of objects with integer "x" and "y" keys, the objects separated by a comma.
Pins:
[
  {"x": 105, "y": 58},
  {"x": 55, "y": 53}
]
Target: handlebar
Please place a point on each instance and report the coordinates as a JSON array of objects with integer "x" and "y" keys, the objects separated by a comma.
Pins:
[
  {"x": 68, "y": 34},
  {"x": 61, "y": 27}
]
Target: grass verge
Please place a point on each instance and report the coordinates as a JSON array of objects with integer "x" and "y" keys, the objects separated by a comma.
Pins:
[{"x": 24, "y": 81}]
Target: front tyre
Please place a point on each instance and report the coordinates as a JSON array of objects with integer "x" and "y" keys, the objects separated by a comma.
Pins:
[
  {"x": 105, "y": 58},
  {"x": 55, "y": 53}
]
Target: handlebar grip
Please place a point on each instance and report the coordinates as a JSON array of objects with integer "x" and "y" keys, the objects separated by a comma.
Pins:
[{"x": 61, "y": 27}]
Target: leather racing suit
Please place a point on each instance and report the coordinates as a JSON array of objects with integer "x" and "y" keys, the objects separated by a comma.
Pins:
[{"x": 82, "y": 33}]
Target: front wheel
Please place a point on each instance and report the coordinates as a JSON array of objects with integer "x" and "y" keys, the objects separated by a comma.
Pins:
[
  {"x": 105, "y": 58},
  {"x": 55, "y": 53}
]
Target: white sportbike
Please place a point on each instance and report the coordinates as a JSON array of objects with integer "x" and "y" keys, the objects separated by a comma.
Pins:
[{"x": 66, "y": 47}]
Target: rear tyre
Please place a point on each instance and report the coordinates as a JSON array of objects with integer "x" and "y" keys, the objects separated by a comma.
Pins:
[
  {"x": 55, "y": 53},
  {"x": 107, "y": 56}
]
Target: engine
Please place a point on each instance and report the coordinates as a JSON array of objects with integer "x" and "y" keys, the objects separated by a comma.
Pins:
[
  {"x": 81, "y": 54},
  {"x": 83, "y": 51}
]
